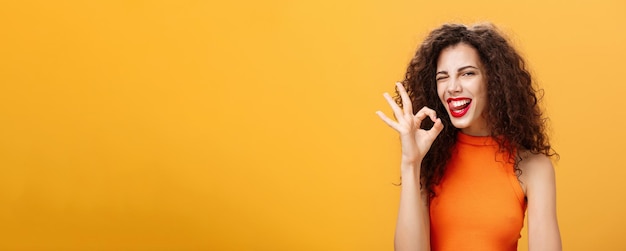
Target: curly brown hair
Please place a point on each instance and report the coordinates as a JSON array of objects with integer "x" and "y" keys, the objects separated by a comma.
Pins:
[{"x": 514, "y": 117}]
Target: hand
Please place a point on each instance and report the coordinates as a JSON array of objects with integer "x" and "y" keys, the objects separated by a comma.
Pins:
[{"x": 415, "y": 141}]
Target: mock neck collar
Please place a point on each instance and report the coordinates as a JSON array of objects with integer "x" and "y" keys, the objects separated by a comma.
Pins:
[{"x": 475, "y": 140}]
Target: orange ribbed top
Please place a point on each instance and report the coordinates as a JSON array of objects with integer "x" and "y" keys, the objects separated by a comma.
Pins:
[{"x": 479, "y": 204}]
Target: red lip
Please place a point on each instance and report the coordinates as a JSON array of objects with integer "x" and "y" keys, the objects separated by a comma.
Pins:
[
  {"x": 457, "y": 99},
  {"x": 457, "y": 113}
]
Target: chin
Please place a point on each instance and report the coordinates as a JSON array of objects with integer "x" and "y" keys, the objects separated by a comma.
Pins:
[{"x": 460, "y": 123}]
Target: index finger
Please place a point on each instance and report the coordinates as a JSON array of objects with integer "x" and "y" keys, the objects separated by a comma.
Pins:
[{"x": 425, "y": 112}]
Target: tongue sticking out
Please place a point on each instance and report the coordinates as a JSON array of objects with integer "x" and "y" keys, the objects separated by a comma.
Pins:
[
  {"x": 461, "y": 107},
  {"x": 457, "y": 105}
]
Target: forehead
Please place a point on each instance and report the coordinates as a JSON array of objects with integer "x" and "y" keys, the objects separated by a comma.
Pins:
[{"x": 457, "y": 56}]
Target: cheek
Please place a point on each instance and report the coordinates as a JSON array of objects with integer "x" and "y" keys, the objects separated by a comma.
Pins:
[
  {"x": 483, "y": 94},
  {"x": 484, "y": 102}
]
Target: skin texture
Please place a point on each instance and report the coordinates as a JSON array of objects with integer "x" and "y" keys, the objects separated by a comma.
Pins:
[{"x": 504, "y": 105}]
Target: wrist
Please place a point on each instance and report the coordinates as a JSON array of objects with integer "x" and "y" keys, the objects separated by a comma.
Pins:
[
  {"x": 410, "y": 169},
  {"x": 414, "y": 163}
]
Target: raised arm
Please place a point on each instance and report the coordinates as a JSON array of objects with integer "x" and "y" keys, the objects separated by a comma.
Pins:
[
  {"x": 413, "y": 225},
  {"x": 539, "y": 180}
]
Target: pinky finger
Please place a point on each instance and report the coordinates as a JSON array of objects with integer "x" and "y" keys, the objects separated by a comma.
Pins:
[{"x": 387, "y": 120}]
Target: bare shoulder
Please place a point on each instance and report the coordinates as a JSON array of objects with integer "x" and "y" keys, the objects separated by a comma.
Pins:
[
  {"x": 537, "y": 170},
  {"x": 532, "y": 162}
]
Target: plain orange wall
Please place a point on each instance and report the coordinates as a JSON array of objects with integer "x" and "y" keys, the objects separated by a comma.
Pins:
[{"x": 197, "y": 125}]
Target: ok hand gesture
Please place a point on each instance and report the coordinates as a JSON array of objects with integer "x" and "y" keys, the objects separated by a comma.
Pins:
[{"x": 415, "y": 141}]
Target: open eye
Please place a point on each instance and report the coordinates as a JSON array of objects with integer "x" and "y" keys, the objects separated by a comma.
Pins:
[{"x": 469, "y": 73}]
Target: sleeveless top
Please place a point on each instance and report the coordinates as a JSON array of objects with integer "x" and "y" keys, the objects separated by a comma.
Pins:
[{"x": 479, "y": 203}]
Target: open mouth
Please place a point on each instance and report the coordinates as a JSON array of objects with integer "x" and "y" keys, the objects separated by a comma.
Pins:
[{"x": 459, "y": 106}]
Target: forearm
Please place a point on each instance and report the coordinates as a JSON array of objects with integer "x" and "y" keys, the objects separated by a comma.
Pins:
[{"x": 413, "y": 226}]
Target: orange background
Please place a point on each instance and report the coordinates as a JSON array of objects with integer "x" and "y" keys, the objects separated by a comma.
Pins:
[{"x": 195, "y": 125}]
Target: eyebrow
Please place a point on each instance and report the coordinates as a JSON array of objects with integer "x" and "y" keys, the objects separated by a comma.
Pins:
[{"x": 460, "y": 69}]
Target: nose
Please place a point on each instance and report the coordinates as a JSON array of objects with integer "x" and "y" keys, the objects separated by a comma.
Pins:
[{"x": 454, "y": 86}]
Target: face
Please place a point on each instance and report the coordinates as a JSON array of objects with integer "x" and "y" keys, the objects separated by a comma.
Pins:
[{"x": 462, "y": 88}]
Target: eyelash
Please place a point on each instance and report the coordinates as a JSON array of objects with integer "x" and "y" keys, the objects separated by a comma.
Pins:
[
  {"x": 470, "y": 73},
  {"x": 464, "y": 74}
]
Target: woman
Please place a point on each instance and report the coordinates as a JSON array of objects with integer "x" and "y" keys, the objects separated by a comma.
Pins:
[{"x": 482, "y": 159}]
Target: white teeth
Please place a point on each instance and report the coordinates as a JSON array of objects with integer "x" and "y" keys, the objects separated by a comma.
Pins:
[{"x": 459, "y": 102}]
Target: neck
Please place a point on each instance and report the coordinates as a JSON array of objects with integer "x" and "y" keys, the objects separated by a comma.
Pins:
[{"x": 473, "y": 131}]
